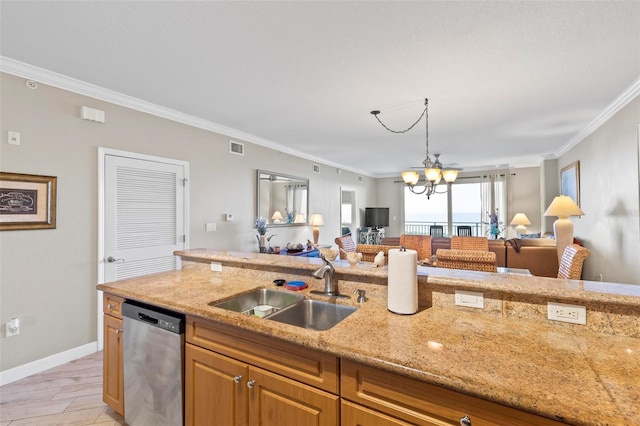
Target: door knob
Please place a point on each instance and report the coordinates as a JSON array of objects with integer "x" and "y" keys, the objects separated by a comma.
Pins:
[{"x": 112, "y": 259}]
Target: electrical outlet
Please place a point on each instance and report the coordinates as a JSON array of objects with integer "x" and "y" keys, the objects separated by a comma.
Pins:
[
  {"x": 470, "y": 299},
  {"x": 574, "y": 314},
  {"x": 216, "y": 266},
  {"x": 210, "y": 227},
  {"x": 13, "y": 327}
]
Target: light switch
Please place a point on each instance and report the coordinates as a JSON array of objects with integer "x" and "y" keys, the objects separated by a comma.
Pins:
[
  {"x": 210, "y": 227},
  {"x": 13, "y": 138}
]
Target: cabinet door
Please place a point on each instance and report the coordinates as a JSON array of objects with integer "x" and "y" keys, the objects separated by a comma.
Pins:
[
  {"x": 215, "y": 388},
  {"x": 112, "y": 382},
  {"x": 357, "y": 415},
  {"x": 278, "y": 401}
]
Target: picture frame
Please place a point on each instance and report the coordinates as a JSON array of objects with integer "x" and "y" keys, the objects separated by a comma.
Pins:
[
  {"x": 27, "y": 201},
  {"x": 570, "y": 181}
]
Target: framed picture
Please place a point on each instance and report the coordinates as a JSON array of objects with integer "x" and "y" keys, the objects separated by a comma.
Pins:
[
  {"x": 27, "y": 201},
  {"x": 570, "y": 181}
]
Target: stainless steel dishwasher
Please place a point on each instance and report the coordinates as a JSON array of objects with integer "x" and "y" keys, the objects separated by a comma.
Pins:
[{"x": 153, "y": 365}]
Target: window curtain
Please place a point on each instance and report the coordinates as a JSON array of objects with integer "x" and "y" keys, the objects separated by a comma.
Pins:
[{"x": 493, "y": 198}]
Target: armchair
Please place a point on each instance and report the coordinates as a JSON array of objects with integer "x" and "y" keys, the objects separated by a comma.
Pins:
[{"x": 572, "y": 261}]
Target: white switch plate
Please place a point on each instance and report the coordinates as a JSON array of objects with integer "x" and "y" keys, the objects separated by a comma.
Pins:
[
  {"x": 13, "y": 138},
  {"x": 210, "y": 227},
  {"x": 229, "y": 217},
  {"x": 470, "y": 299},
  {"x": 216, "y": 266},
  {"x": 13, "y": 327},
  {"x": 574, "y": 314}
]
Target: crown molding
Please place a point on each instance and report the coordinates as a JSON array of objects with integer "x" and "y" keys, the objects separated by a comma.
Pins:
[
  {"x": 60, "y": 81},
  {"x": 629, "y": 94}
]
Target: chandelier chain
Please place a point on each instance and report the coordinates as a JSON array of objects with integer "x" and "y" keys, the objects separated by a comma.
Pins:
[{"x": 426, "y": 105}]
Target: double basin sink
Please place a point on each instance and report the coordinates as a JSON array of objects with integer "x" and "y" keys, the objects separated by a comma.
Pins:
[{"x": 288, "y": 308}]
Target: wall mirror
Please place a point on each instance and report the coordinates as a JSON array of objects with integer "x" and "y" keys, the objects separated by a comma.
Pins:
[{"x": 282, "y": 199}]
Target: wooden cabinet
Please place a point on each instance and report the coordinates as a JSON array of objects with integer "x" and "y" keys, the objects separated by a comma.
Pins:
[
  {"x": 416, "y": 402},
  {"x": 229, "y": 386},
  {"x": 113, "y": 383}
]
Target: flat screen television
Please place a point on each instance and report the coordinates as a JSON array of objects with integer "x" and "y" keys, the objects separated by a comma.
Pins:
[{"x": 376, "y": 217}]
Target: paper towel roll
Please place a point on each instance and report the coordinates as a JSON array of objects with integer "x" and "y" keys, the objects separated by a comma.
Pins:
[{"x": 402, "y": 297}]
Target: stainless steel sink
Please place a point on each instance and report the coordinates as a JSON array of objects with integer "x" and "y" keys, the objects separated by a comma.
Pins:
[
  {"x": 245, "y": 303},
  {"x": 313, "y": 314}
]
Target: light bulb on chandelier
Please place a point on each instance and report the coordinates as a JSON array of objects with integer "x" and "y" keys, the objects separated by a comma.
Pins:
[{"x": 434, "y": 171}]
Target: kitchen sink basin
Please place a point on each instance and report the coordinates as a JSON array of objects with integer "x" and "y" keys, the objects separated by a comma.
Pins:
[
  {"x": 313, "y": 314},
  {"x": 245, "y": 303}
]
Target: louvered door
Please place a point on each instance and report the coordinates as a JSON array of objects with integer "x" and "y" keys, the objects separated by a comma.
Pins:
[{"x": 144, "y": 216}]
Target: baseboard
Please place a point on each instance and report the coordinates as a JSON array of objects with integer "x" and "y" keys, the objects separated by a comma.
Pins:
[{"x": 26, "y": 370}]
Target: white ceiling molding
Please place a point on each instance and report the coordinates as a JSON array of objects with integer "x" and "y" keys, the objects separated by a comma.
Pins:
[
  {"x": 24, "y": 70},
  {"x": 620, "y": 102}
]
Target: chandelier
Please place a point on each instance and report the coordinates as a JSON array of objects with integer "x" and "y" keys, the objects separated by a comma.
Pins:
[{"x": 434, "y": 171}]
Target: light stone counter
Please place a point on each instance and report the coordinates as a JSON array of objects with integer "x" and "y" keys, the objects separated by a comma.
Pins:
[{"x": 507, "y": 353}]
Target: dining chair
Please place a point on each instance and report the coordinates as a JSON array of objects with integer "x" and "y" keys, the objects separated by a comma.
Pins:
[
  {"x": 470, "y": 243},
  {"x": 464, "y": 231},
  {"x": 467, "y": 259},
  {"x": 436, "y": 231}
]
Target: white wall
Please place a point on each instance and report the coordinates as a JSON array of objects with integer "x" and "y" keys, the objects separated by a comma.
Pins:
[
  {"x": 48, "y": 277},
  {"x": 609, "y": 197}
]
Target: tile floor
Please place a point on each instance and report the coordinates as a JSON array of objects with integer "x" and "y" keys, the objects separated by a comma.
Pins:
[{"x": 70, "y": 394}]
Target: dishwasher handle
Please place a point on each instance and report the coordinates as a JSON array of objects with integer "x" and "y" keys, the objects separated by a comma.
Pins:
[{"x": 147, "y": 318}]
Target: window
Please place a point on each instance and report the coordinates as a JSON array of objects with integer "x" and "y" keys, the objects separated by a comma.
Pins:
[{"x": 469, "y": 203}]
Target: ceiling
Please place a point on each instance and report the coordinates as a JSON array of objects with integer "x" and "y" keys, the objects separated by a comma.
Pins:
[{"x": 508, "y": 82}]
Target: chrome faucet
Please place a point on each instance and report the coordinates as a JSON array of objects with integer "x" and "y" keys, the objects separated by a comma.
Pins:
[{"x": 327, "y": 271}]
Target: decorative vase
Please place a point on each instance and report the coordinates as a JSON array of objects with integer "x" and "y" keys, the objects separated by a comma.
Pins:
[{"x": 262, "y": 242}]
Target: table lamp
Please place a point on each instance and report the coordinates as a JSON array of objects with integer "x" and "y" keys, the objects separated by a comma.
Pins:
[
  {"x": 563, "y": 206},
  {"x": 277, "y": 217},
  {"x": 316, "y": 221},
  {"x": 299, "y": 218},
  {"x": 520, "y": 219}
]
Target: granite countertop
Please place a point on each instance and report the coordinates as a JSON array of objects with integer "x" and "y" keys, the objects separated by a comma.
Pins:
[{"x": 560, "y": 371}]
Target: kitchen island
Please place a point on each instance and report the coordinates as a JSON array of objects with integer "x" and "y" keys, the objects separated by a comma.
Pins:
[{"x": 507, "y": 353}]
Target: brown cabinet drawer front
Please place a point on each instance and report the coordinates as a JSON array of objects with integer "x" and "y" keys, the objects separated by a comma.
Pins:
[
  {"x": 304, "y": 365},
  {"x": 357, "y": 415},
  {"x": 421, "y": 403},
  {"x": 112, "y": 305}
]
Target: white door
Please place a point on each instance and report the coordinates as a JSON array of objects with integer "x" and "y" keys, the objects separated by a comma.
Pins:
[
  {"x": 144, "y": 216},
  {"x": 143, "y": 204}
]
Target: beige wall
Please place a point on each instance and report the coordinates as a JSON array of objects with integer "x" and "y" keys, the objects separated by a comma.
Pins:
[
  {"x": 609, "y": 197},
  {"x": 48, "y": 277}
]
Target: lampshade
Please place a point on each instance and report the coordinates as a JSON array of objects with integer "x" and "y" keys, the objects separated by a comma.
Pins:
[
  {"x": 277, "y": 216},
  {"x": 316, "y": 220},
  {"x": 563, "y": 206},
  {"x": 299, "y": 218},
  {"x": 520, "y": 219}
]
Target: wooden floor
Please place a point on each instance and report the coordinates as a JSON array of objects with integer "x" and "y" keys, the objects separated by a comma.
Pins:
[{"x": 70, "y": 394}]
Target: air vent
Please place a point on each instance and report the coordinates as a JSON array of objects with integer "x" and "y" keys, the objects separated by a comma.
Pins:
[
  {"x": 236, "y": 148},
  {"x": 316, "y": 168}
]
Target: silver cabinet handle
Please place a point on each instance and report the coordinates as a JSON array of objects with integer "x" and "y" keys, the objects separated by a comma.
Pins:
[
  {"x": 237, "y": 379},
  {"x": 465, "y": 421},
  {"x": 111, "y": 306},
  {"x": 119, "y": 330},
  {"x": 251, "y": 384},
  {"x": 112, "y": 259}
]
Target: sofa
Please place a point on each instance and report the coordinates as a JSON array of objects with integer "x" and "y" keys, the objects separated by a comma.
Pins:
[{"x": 538, "y": 255}]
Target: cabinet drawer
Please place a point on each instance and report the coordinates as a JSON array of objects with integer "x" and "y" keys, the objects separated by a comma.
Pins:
[
  {"x": 305, "y": 365},
  {"x": 422, "y": 403},
  {"x": 112, "y": 305}
]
